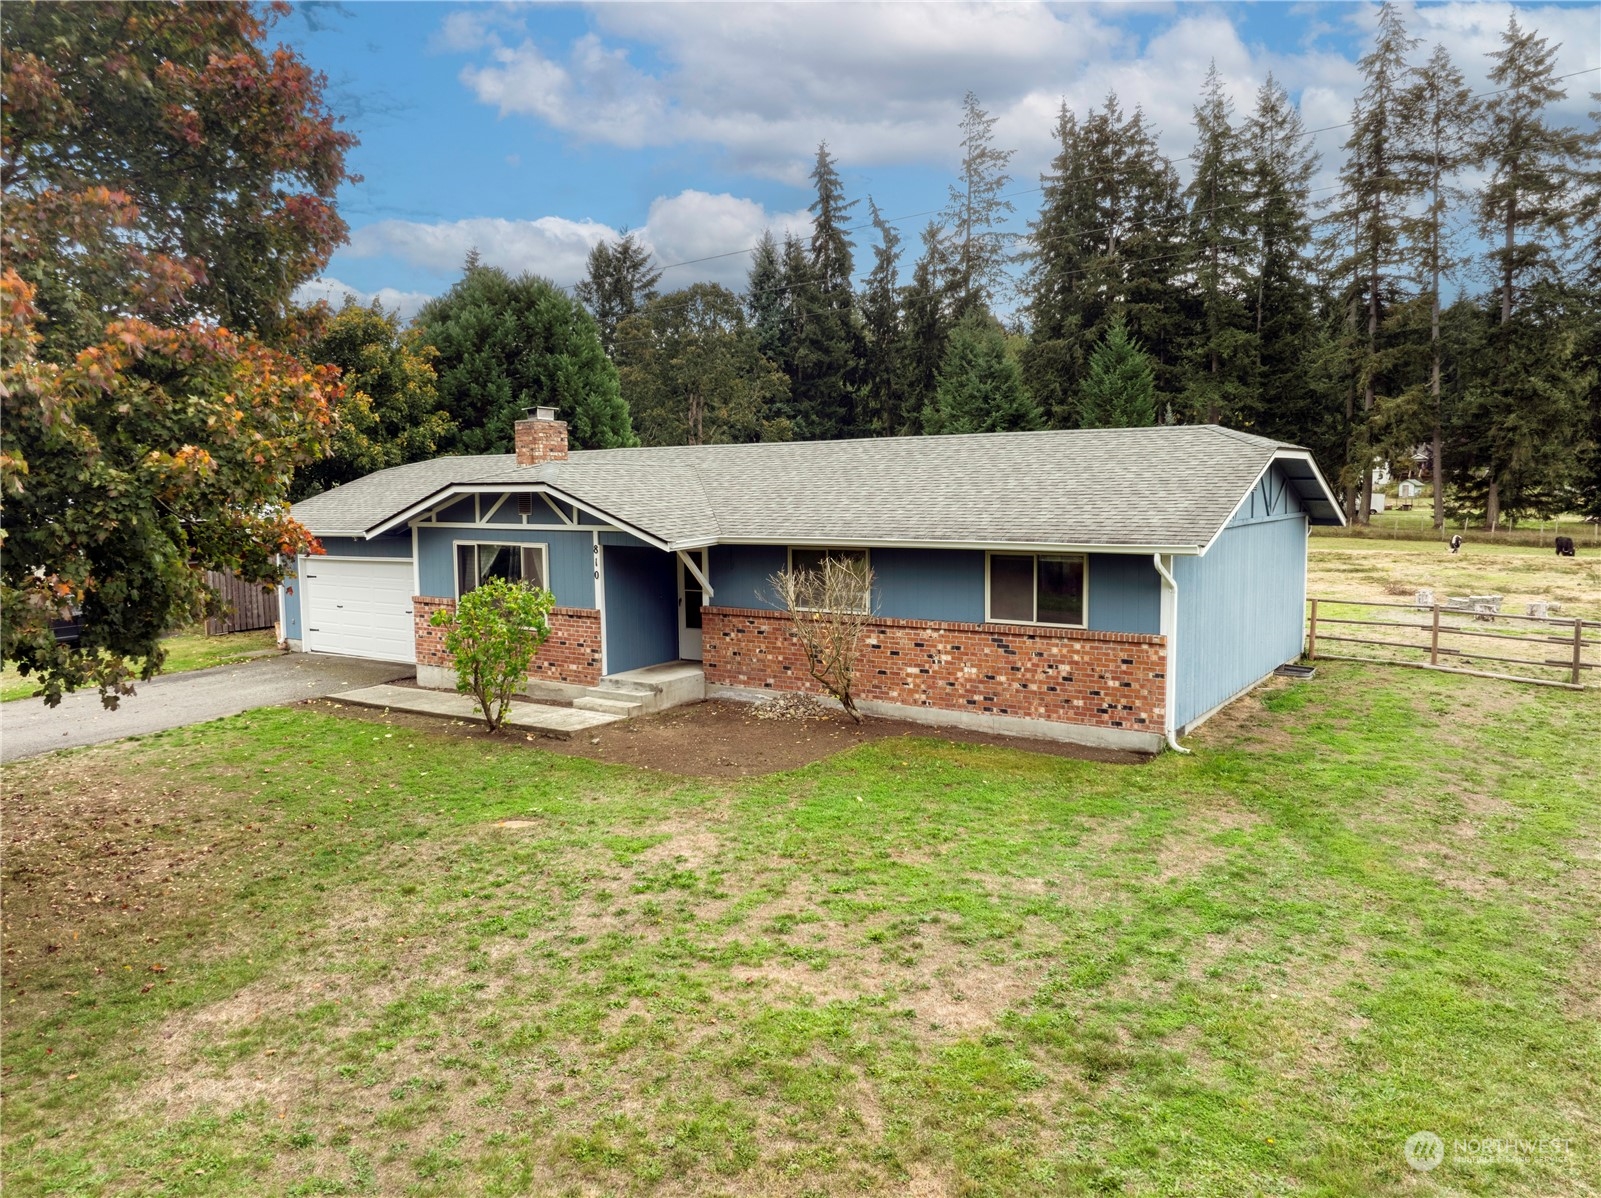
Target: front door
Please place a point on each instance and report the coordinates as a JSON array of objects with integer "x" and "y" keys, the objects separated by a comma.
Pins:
[{"x": 690, "y": 598}]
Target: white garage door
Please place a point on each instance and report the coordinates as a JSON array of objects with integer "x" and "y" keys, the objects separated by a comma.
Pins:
[{"x": 359, "y": 607}]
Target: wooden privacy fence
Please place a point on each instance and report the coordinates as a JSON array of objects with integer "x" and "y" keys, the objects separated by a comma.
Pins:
[
  {"x": 1549, "y": 650},
  {"x": 249, "y": 605}
]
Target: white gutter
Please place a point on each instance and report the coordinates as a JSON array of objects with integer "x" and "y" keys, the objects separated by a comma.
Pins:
[{"x": 1170, "y": 628}]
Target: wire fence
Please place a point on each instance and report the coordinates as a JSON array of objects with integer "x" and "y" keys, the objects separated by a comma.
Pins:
[{"x": 1470, "y": 635}]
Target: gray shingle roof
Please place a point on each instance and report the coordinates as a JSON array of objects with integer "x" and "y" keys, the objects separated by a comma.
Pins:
[{"x": 1171, "y": 487}]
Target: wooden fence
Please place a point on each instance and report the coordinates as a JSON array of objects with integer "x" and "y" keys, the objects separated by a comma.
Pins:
[
  {"x": 249, "y": 606},
  {"x": 1554, "y": 651}
]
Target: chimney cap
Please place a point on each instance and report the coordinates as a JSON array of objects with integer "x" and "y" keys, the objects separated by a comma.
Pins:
[{"x": 541, "y": 412}]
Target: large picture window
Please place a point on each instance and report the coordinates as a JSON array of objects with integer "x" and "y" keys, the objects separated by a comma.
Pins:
[
  {"x": 515, "y": 563},
  {"x": 1037, "y": 588},
  {"x": 812, "y": 560}
]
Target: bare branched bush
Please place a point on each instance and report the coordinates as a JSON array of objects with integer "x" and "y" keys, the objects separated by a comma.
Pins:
[{"x": 831, "y": 607}]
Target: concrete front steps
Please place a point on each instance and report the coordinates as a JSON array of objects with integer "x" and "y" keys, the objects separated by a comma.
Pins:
[{"x": 632, "y": 692}]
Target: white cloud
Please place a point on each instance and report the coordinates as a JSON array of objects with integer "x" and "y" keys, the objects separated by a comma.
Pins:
[
  {"x": 549, "y": 245},
  {"x": 331, "y": 290},
  {"x": 706, "y": 233},
  {"x": 882, "y": 83}
]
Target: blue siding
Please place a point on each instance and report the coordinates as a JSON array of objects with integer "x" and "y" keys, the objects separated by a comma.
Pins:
[
  {"x": 1240, "y": 612},
  {"x": 641, "y": 623},
  {"x": 739, "y": 574},
  {"x": 1272, "y": 498},
  {"x": 947, "y": 584},
  {"x": 571, "y": 554},
  {"x": 463, "y": 511},
  {"x": 289, "y": 591},
  {"x": 1125, "y": 593},
  {"x": 929, "y": 584}
]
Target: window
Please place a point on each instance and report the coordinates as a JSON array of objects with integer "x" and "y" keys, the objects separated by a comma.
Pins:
[
  {"x": 514, "y": 563},
  {"x": 1036, "y": 588},
  {"x": 812, "y": 560}
]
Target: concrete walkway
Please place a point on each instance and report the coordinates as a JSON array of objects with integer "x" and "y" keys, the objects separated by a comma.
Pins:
[
  {"x": 557, "y": 722},
  {"x": 28, "y": 727}
]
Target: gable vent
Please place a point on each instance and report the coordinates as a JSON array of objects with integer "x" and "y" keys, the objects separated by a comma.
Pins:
[{"x": 525, "y": 505}]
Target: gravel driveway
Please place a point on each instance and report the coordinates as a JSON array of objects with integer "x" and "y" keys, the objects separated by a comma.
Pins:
[{"x": 28, "y": 727}]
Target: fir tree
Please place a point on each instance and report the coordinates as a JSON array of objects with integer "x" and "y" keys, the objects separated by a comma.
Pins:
[
  {"x": 1282, "y": 164},
  {"x": 1223, "y": 349},
  {"x": 1053, "y": 360},
  {"x": 880, "y": 411},
  {"x": 925, "y": 329},
  {"x": 980, "y": 387},
  {"x": 976, "y": 209},
  {"x": 620, "y": 280},
  {"x": 826, "y": 348},
  {"x": 1374, "y": 197},
  {"x": 1120, "y": 389},
  {"x": 1439, "y": 117},
  {"x": 1529, "y": 406}
]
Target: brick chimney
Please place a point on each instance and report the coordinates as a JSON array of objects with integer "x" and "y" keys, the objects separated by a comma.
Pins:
[{"x": 540, "y": 438}]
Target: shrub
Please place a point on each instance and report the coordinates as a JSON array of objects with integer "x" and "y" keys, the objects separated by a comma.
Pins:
[{"x": 493, "y": 634}]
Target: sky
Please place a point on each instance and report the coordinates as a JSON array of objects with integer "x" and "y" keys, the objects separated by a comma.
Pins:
[{"x": 533, "y": 131}]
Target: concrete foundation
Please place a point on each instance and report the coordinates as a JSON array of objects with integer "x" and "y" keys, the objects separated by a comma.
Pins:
[{"x": 1124, "y": 739}]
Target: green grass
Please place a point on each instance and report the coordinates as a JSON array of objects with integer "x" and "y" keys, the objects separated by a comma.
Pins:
[
  {"x": 1366, "y": 906},
  {"x": 185, "y": 651}
]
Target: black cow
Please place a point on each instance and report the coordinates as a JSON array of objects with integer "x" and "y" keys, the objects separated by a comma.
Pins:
[
  {"x": 1564, "y": 546},
  {"x": 1456, "y": 544}
]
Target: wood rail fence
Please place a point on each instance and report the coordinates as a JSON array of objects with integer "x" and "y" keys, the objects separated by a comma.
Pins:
[
  {"x": 1565, "y": 649},
  {"x": 249, "y": 606}
]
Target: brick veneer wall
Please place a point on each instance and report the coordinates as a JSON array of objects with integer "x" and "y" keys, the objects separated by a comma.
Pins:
[
  {"x": 1068, "y": 675},
  {"x": 571, "y": 654}
]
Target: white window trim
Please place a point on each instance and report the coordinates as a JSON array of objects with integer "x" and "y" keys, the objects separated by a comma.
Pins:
[
  {"x": 867, "y": 560},
  {"x": 1084, "y": 600},
  {"x": 455, "y": 560}
]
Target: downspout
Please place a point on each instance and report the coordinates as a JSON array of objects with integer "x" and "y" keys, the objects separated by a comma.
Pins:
[{"x": 1171, "y": 633}]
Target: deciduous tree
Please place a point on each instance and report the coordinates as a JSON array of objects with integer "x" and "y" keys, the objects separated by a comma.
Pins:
[
  {"x": 388, "y": 411},
  {"x": 693, "y": 374}
]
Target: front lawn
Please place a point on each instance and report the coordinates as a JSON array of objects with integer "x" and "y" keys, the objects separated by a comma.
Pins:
[
  {"x": 192, "y": 650},
  {"x": 298, "y": 953}
]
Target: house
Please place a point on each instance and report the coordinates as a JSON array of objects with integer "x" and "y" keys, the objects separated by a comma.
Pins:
[{"x": 1104, "y": 586}]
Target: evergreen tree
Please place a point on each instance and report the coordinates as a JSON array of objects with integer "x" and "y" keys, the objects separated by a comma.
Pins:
[
  {"x": 1110, "y": 239},
  {"x": 505, "y": 344},
  {"x": 980, "y": 387},
  {"x": 621, "y": 279},
  {"x": 880, "y": 411},
  {"x": 1223, "y": 350},
  {"x": 1120, "y": 389},
  {"x": 827, "y": 341},
  {"x": 765, "y": 302},
  {"x": 1439, "y": 118},
  {"x": 1527, "y": 208},
  {"x": 1370, "y": 210},
  {"x": 925, "y": 329},
  {"x": 975, "y": 211},
  {"x": 1053, "y": 360},
  {"x": 1282, "y": 164}
]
